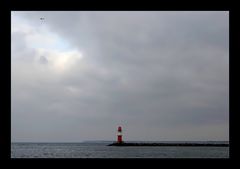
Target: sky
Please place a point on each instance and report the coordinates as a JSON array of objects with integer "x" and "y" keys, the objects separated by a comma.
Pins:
[{"x": 78, "y": 75}]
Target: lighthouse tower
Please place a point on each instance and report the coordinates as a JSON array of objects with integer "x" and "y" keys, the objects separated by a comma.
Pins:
[{"x": 119, "y": 135}]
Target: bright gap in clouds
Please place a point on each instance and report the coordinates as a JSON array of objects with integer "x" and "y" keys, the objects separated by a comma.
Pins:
[
  {"x": 59, "y": 61},
  {"x": 51, "y": 49}
]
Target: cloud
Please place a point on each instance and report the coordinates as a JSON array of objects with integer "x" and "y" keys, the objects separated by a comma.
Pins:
[
  {"x": 43, "y": 60},
  {"x": 80, "y": 74}
]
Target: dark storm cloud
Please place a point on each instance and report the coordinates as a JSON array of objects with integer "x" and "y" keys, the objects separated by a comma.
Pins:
[{"x": 162, "y": 73}]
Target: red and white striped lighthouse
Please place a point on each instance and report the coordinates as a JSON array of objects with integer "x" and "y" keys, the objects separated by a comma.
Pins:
[{"x": 119, "y": 135}]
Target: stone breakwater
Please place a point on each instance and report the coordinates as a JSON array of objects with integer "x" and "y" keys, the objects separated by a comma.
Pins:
[{"x": 170, "y": 144}]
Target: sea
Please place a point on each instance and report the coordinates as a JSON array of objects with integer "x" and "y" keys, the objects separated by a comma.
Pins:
[{"x": 100, "y": 149}]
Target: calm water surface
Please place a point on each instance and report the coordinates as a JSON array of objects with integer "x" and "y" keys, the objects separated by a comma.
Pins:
[{"x": 101, "y": 150}]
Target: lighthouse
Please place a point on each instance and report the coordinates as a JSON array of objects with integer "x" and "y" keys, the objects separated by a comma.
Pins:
[{"x": 119, "y": 135}]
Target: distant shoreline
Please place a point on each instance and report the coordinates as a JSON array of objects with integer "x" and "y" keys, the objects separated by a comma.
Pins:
[{"x": 171, "y": 144}]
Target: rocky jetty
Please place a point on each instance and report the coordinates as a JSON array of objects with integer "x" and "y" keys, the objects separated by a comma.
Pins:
[{"x": 170, "y": 144}]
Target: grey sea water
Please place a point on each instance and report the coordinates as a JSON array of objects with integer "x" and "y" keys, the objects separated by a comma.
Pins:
[{"x": 101, "y": 150}]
